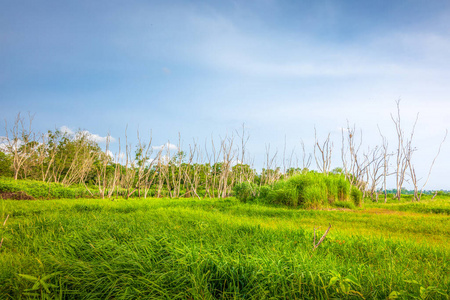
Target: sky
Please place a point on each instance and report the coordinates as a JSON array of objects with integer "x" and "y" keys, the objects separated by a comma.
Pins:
[{"x": 204, "y": 68}]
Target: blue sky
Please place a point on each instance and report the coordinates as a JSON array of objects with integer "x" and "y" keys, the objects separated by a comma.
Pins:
[{"x": 206, "y": 67}]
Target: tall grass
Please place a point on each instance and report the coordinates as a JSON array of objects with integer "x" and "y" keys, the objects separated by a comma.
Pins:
[
  {"x": 39, "y": 189},
  {"x": 209, "y": 249},
  {"x": 308, "y": 190}
]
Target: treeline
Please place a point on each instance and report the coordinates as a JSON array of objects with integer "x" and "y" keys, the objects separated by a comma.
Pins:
[
  {"x": 144, "y": 170},
  {"x": 212, "y": 169}
]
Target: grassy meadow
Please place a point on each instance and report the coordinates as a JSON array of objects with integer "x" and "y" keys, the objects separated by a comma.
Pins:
[{"x": 220, "y": 248}]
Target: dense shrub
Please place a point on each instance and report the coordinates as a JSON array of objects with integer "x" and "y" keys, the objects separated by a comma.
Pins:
[{"x": 264, "y": 191}]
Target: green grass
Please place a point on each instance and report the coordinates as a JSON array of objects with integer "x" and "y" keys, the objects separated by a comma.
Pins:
[
  {"x": 39, "y": 189},
  {"x": 436, "y": 206},
  {"x": 208, "y": 249}
]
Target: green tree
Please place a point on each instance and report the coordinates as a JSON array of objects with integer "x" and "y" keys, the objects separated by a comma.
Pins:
[{"x": 5, "y": 165}]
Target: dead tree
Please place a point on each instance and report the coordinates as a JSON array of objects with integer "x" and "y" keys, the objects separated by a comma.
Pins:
[
  {"x": 144, "y": 165},
  {"x": 213, "y": 175},
  {"x": 322, "y": 153},
  {"x": 270, "y": 174},
  {"x": 375, "y": 165},
  {"x": 159, "y": 173},
  {"x": 102, "y": 176},
  {"x": 244, "y": 137},
  {"x": 113, "y": 183},
  {"x": 354, "y": 166},
  {"x": 386, "y": 157},
  {"x": 306, "y": 162},
  {"x": 404, "y": 150},
  {"x": 191, "y": 176},
  {"x": 19, "y": 142},
  {"x": 176, "y": 168},
  {"x": 417, "y": 195},
  {"x": 129, "y": 168},
  {"x": 228, "y": 157}
]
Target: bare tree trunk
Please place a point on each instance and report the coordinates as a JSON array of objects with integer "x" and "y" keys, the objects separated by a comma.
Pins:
[
  {"x": 324, "y": 160},
  {"x": 386, "y": 157},
  {"x": 404, "y": 151},
  {"x": 432, "y": 164}
]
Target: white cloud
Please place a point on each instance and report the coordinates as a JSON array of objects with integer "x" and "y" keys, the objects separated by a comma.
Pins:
[
  {"x": 99, "y": 139},
  {"x": 66, "y": 129},
  {"x": 3, "y": 144},
  {"x": 235, "y": 162},
  {"x": 92, "y": 136},
  {"x": 117, "y": 157},
  {"x": 7, "y": 146},
  {"x": 109, "y": 153},
  {"x": 167, "y": 146}
]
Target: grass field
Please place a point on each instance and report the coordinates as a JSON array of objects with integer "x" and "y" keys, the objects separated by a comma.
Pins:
[{"x": 207, "y": 249}]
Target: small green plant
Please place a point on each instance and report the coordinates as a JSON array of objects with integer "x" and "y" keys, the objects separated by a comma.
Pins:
[
  {"x": 430, "y": 292},
  {"x": 344, "y": 285},
  {"x": 40, "y": 287}
]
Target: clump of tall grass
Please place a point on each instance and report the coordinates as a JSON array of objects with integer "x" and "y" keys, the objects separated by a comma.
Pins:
[
  {"x": 356, "y": 196},
  {"x": 318, "y": 189},
  {"x": 284, "y": 193},
  {"x": 308, "y": 189},
  {"x": 246, "y": 191}
]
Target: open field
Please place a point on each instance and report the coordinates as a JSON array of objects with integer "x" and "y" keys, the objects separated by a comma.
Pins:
[
  {"x": 206, "y": 249},
  {"x": 438, "y": 206}
]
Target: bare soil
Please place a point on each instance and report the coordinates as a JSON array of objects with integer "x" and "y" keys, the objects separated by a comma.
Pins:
[{"x": 16, "y": 196}]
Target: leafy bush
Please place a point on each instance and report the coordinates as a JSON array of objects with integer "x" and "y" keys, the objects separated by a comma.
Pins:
[{"x": 264, "y": 191}]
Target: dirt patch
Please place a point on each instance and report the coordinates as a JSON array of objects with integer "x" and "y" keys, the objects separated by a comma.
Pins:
[
  {"x": 338, "y": 209},
  {"x": 16, "y": 196},
  {"x": 383, "y": 211}
]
